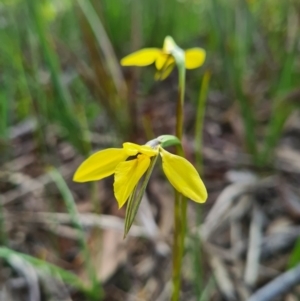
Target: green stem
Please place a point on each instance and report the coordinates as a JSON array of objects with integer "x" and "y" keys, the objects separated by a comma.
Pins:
[
  {"x": 196, "y": 247},
  {"x": 177, "y": 248},
  {"x": 180, "y": 201},
  {"x": 179, "y": 236},
  {"x": 200, "y": 118}
]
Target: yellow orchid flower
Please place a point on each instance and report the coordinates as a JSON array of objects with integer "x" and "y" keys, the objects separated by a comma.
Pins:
[
  {"x": 163, "y": 58},
  {"x": 129, "y": 164}
]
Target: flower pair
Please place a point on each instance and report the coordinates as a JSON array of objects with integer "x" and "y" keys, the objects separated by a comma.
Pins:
[
  {"x": 129, "y": 164},
  {"x": 164, "y": 58}
]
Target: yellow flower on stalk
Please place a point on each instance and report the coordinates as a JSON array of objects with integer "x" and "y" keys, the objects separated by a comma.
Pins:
[
  {"x": 129, "y": 164},
  {"x": 164, "y": 59}
]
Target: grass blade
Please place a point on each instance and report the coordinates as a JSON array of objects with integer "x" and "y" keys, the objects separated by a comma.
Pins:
[
  {"x": 62, "y": 101},
  {"x": 48, "y": 268},
  {"x": 72, "y": 210},
  {"x": 200, "y": 118}
]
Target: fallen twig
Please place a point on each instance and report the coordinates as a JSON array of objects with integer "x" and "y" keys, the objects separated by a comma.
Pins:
[
  {"x": 254, "y": 248},
  {"x": 280, "y": 285}
]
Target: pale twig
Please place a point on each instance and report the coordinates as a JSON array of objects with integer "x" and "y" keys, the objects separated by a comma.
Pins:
[
  {"x": 87, "y": 220},
  {"x": 277, "y": 242},
  {"x": 221, "y": 209},
  {"x": 30, "y": 275},
  {"x": 28, "y": 185},
  {"x": 242, "y": 290},
  {"x": 237, "y": 237},
  {"x": 146, "y": 219},
  {"x": 220, "y": 272},
  {"x": 222, "y": 277},
  {"x": 277, "y": 287},
  {"x": 23, "y": 128},
  {"x": 254, "y": 248},
  {"x": 166, "y": 292}
]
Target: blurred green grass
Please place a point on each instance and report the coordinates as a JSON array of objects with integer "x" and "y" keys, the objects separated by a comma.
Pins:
[{"x": 59, "y": 60}]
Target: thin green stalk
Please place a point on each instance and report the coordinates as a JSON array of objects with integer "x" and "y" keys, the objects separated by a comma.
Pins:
[
  {"x": 177, "y": 260},
  {"x": 200, "y": 118},
  {"x": 71, "y": 208},
  {"x": 196, "y": 248},
  {"x": 180, "y": 201},
  {"x": 196, "y": 255}
]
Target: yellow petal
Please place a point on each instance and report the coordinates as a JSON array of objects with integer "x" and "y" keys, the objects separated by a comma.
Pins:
[
  {"x": 127, "y": 175},
  {"x": 194, "y": 58},
  {"x": 100, "y": 165},
  {"x": 133, "y": 149},
  {"x": 163, "y": 74},
  {"x": 163, "y": 61},
  {"x": 142, "y": 57},
  {"x": 183, "y": 176}
]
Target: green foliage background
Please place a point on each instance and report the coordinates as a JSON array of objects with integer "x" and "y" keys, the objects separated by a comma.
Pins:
[{"x": 54, "y": 58}]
